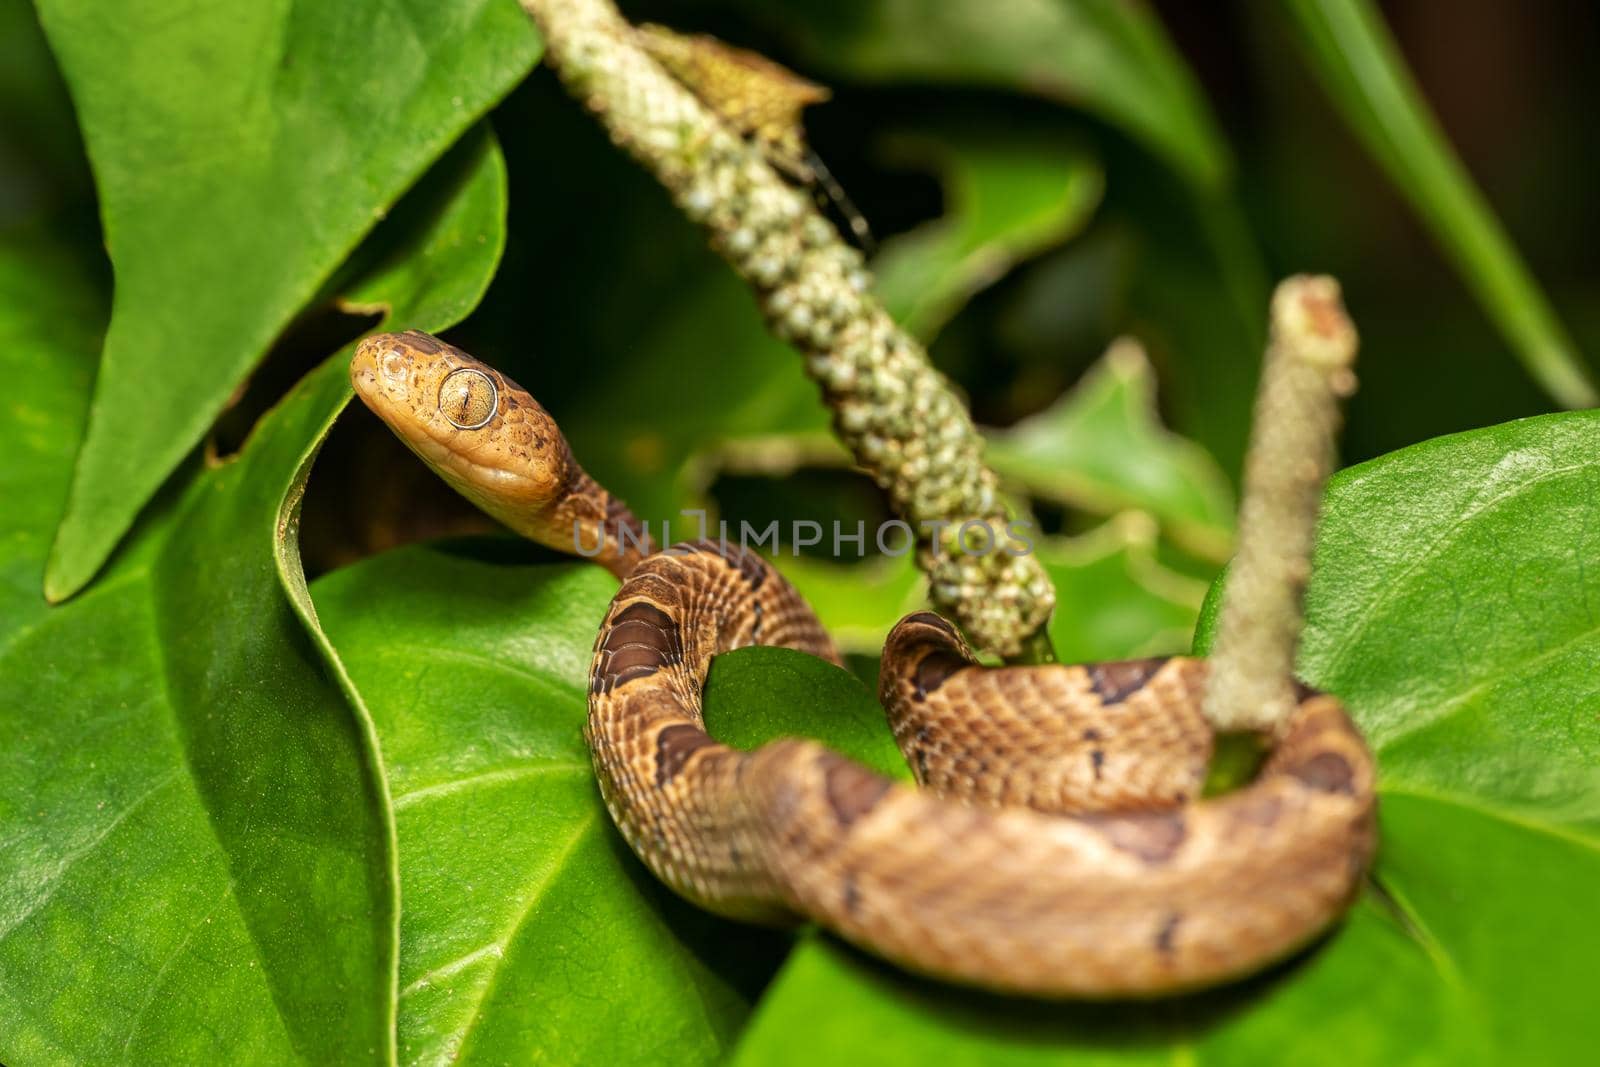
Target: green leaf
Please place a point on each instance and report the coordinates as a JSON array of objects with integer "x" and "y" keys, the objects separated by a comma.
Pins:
[
  {"x": 1102, "y": 448},
  {"x": 1452, "y": 608},
  {"x": 50, "y": 326},
  {"x": 528, "y": 928},
  {"x": 757, "y": 695},
  {"x": 1114, "y": 597},
  {"x": 1110, "y": 57},
  {"x": 198, "y": 854},
  {"x": 1009, "y": 195},
  {"x": 1365, "y": 76},
  {"x": 240, "y": 154}
]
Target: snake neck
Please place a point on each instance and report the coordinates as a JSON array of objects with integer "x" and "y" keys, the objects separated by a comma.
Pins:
[{"x": 592, "y": 523}]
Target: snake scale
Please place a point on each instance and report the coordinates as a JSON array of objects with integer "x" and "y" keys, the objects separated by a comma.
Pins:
[{"x": 1058, "y": 845}]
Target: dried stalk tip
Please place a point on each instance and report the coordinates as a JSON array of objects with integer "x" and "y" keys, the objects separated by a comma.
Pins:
[
  {"x": 1306, "y": 370},
  {"x": 899, "y": 418}
]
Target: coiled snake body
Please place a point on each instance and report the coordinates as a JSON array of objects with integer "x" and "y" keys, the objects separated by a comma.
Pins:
[{"x": 1058, "y": 846}]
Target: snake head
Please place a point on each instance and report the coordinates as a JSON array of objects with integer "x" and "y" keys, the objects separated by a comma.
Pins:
[{"x": 476, "y": 428}]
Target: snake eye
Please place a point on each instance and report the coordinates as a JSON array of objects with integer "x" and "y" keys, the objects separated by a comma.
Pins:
[{"x": 468, "y": 398}]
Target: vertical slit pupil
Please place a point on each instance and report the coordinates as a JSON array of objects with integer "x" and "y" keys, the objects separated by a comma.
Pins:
[{"x": 468, "y": 398}]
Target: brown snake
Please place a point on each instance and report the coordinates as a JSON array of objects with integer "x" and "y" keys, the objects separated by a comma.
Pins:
[{"x": 1059, "y": 846}]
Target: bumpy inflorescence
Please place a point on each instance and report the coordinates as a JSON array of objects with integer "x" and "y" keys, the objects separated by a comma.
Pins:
[{"x": 897, "y": 415}]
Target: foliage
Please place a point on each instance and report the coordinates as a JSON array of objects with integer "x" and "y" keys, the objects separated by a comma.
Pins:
[{"x": 263, "y": 800}]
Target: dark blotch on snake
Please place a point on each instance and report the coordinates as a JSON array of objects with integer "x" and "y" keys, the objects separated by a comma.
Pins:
[
  {"x": 1327, "y": 772},
  {"x": 1260, "y": 811},
  {"x": 1097, "y": 760},
  {"x": 852, "y": 790},
  {"x": 674, "y": 745},
  {"x": 1116, "y": 682},
  {"x": 1151, "y": 836},
  {"x": 639, "y": 642}
]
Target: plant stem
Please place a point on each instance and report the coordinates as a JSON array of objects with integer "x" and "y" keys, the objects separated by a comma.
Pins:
[
  {"x": 898, "y": 416},
  {"x": 1306, "y": 372}
]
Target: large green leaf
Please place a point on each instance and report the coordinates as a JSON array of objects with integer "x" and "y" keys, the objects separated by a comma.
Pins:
[
  {"x": 1364, "y": 74},
  {"x": 528, "y": 930},
  {"x": 1102, "y": 447},
  {"x": 197, "y": 858},
  {"x": 1454, "y": 609},
  {"x": 50, "y": 326},
  {"x": 241, "y": 152},
  {"x": 1111, "y": 57}
]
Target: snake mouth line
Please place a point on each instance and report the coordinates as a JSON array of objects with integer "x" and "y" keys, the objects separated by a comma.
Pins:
[{"x": 448, "y": 458}]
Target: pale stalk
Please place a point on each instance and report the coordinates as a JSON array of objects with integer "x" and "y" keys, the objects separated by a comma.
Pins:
[{"x": 1306, "y": 372}]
